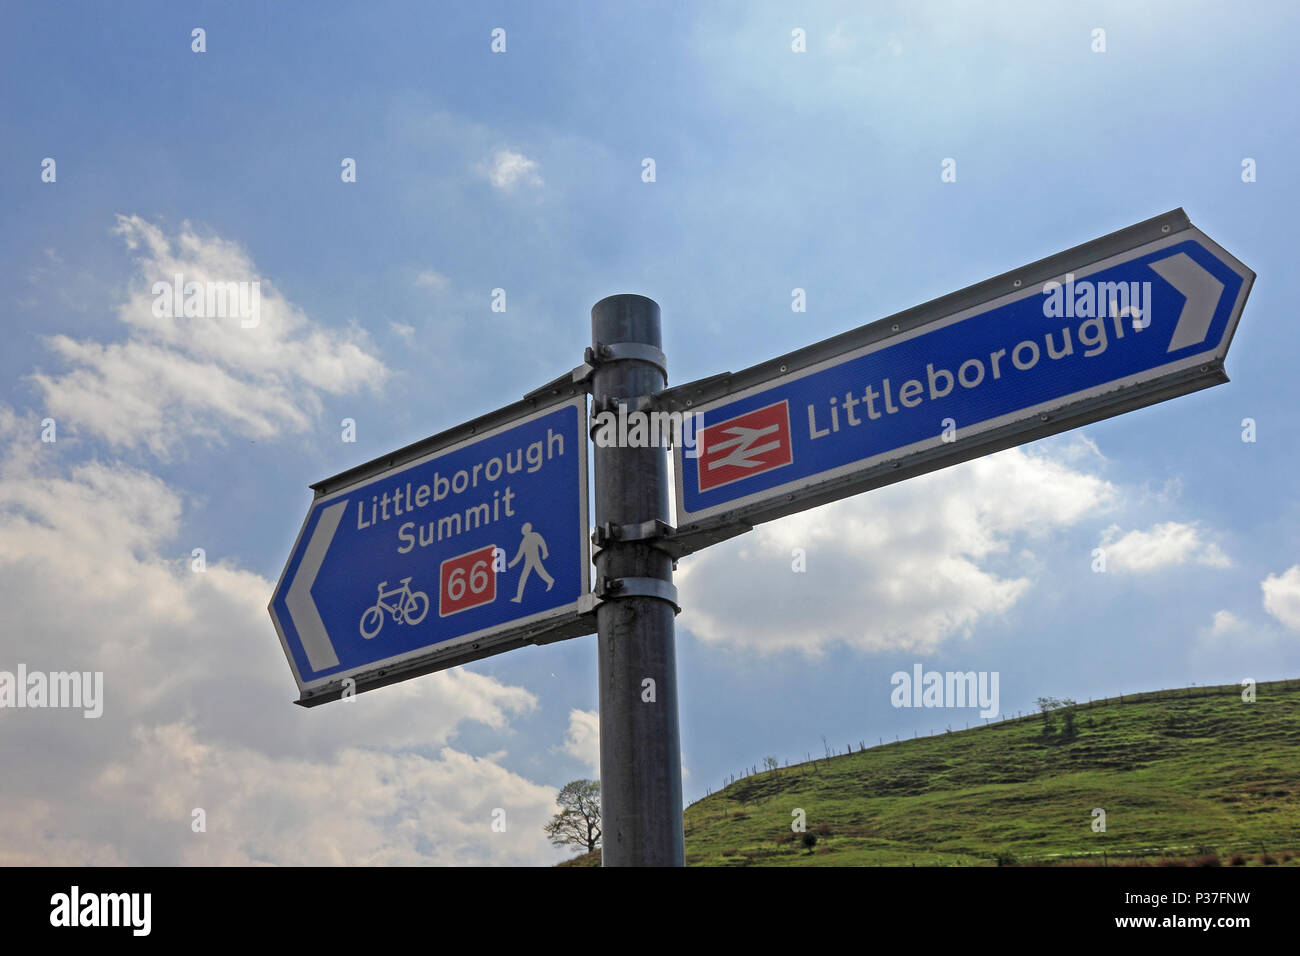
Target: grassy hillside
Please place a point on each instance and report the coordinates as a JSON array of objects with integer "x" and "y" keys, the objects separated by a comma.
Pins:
[
  {"x": 1178, "y": 773},
  {"x": 1175, "y": 771}
]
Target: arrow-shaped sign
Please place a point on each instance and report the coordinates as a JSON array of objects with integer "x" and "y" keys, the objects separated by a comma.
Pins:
[
  {"x": 467, "y": 544},
  {"x": 1128, "y": 320},
  {"x": 302, "y": 608}
]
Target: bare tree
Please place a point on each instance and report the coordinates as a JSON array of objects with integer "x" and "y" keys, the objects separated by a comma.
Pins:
[{"x": 578, "y": 822}]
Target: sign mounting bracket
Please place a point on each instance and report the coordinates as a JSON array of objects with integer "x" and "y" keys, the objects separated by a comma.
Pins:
[{"x": 612, "y": 589}]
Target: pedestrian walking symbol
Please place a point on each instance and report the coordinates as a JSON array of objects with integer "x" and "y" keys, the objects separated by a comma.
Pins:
[{"x": 533, "y": 551}]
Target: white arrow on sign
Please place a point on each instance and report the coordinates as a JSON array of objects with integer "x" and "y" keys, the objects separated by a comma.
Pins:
[
  {"x": 1203, "y": 292},
  {"x": 302, "y": 608}
]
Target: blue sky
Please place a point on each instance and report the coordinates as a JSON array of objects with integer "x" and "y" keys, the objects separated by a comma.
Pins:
[{"x": 522, "y": 171}]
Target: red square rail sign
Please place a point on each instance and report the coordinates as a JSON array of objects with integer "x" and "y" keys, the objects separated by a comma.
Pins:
[
  {"x": 467, "y": 580},
  {"x": 746, "y": 445}
]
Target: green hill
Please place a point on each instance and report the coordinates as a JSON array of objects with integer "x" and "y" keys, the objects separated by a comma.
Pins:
[{"x": 1179, "y": 774}]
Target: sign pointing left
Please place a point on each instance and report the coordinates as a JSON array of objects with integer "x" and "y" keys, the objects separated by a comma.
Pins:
[
  {"x": 302, "y": 609},
  {"x": 468, "y": 544}
]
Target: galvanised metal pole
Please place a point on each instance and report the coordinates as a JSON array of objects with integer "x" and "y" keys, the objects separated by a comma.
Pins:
[{"x": 640, "y": 749}]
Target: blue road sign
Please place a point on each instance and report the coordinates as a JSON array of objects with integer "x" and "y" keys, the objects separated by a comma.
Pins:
[
  {"x": 1122, "y": 322},
  {"x": 430, "y": 563}
]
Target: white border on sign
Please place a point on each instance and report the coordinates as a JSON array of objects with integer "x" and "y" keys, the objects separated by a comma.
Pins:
[
  {"x": 584, "y": 544},
  {"x": 685, "y": 517}
]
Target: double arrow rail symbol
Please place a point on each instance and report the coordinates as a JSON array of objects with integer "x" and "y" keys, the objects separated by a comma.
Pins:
[{"x": 744, "y": 439}]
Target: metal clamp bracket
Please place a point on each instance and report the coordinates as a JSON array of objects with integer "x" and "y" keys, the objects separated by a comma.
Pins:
[
  {"x": 570, "y": 382},
  {"x": 652, "y": 532},
  {"x": 620, "y": 352},
  {"x": 612, "y": 589},
  {"x": 611, "y": 403},
  {"x": 628, "y": 352}
]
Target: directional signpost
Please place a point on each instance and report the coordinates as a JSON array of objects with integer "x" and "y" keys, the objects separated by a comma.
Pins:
[
  {"x": 1134, "y": 318},
  {"x": 466, "y": 545},
  {"x": 475, "y": 541}
]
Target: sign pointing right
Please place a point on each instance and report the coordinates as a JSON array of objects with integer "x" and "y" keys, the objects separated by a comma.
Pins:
[
  {"x": 1202, "y": 291},
  {"x": 1134, "y": 318}
]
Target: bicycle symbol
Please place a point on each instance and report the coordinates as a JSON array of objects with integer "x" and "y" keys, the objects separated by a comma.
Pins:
[{"x": 410, "y": 608}]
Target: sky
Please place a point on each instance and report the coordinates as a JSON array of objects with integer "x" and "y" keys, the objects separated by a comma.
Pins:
[{"x": 522, "y": 171}]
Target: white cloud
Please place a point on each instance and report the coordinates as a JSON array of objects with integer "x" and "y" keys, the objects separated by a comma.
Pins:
[
  {"x": 197, "y": 710},
  {"x": 1213, "y": 557},
  {"x": 582, "y": 741},
  {"x": 508, "y": 169},
  {"x": 429, "y": 279},
  {"x": 1165, "y": 545},
  {"x": 29, "y": 836},
  {"x": 95, "y": 575},
  {"x": 1226, "y": 624},
  {"x": 1282, "y": 596},
  {"x": 1166, "y": 495},
  {"x": 360, "y": 807},
  {"x": 201, "y": 376},
  {"x": 1077, "y": 448},
  {"x": 901, "y": 568}
]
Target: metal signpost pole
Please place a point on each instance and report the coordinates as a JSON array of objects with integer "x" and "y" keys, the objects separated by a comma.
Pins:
[{"x": 640, "y": 750}]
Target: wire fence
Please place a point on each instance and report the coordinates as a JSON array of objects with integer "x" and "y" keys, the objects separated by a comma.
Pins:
[{"x": 812, "y": 764}]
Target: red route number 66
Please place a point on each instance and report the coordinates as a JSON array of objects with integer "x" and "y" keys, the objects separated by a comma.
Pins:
[{"x": 467, "y": 581}]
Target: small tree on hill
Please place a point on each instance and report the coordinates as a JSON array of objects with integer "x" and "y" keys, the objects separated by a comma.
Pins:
[
  {"x": 1045, "y": 706},
  {"x": 1068, "y": 730},
  {"x": 578, "y": 822}
]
